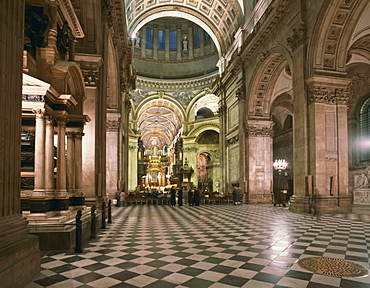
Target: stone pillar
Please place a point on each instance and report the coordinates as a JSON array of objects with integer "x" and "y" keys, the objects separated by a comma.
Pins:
[
  {"x": 179, "y": 42},
  {"x": 155, "y": 42},
  {"x": 202, "y": 44},
  {"x": 167, "y": 43},
  {"x": 19, "y": 250},
  {"x": 49, "y": 157},
  {"x": 125, "y": 143},
  {"x": 39, "y": 186},
  {"x": 260, "y": 160},
  {"x": 328, "y": 143},
  {"x": 222, "y": 113},
  {"x": 113, "y": 147},
  {"x": 61, "y": 189},
  {"x": 143, "y": 43},
  {"x": 78, "y": 192},
  {"x": 53, "y": 31},
  {"x": 300, "y": 202},
  {"x": 70, "y": 162},
  {"x": 243, "y": 177},
  {"x": 191, "y": 42}
]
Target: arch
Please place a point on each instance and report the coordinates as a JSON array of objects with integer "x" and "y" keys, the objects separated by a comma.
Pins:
[
  {"x": 196, "y": 132},
  {"x": 334, "y": 32},
  {"x": 113, "y": 92},
  {"x": 205, "y": 24},
  {"x": 203, "y": 113},
  {"x": 263, "y": 83}
]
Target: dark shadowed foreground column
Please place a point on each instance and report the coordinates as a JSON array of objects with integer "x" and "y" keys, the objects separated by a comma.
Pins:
[{"x": 19, "y": 252}]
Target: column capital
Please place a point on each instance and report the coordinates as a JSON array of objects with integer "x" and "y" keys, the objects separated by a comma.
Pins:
[
  {"x": 297, "y": 37},
  {"x": 39, "y": 112},
  {"x": 61, "y": 121},
  {"x": 259, "y": 128},
  {"x": 334, "y": 96}
]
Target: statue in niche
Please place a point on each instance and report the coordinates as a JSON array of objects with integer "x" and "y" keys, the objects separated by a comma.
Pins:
[
  {"x": 137, "y": 40},
  {"x": 185, "y": 44}
]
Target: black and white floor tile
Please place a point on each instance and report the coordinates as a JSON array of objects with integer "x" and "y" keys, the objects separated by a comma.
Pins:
[{"x": 218, "y": 246}]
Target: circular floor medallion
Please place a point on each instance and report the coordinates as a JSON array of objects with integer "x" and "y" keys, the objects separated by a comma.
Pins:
[{"x": 333, "y": 267}]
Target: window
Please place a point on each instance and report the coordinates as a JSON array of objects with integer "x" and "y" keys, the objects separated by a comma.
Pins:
[
  {"x": 207, "y": 38},
  {"x": 365, "y": 131},
  {"x": 149, "y": 38},
  {"x": 161, "y": 39},
  {"x": 173, "y": 40},
  {"x": 196, "y": 37}
]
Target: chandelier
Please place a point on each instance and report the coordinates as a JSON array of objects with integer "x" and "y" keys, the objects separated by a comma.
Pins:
[{"x": 280, "y": 164}]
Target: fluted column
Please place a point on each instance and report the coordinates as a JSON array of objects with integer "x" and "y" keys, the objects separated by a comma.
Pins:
[
  {"x": 61, "y": 189},
  {"x": 19, "y": 250},
  {"x": 39, "y": 180},
  {"x": 49, "y": 156},
  {"x": 70, "y": 173},
  {"x": 52, "y": 35}
]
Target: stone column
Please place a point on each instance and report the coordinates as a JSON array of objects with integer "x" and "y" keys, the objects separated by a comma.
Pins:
[
  {"x": 243, "y": 177},
  {"x": 191, "y": 42},
  {"x": 260, "y": 160},
  {"x": 70, "y": 162},
  {"x": 202, "y": 44},
  {"x": 179, "y": 42},
  {"x": 19, "y": 250},
  {"x": 143, "y": 43},
  {"x": 167, "y": 43},
  {"x": 52, "y": 35},
  {"x": 49, "y": 157},
  {"x": 39, "y": 186},
  {"x": 78, "y": 192},
  {"x": 61, "y": 189},
  {"x": 222, "y": 113},
  {"x": 300, "y": 200},
  {"x": 113, "y": 155},
  {"x": 155, "y": 42}
]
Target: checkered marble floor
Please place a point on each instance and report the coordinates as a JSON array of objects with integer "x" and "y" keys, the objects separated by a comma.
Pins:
[{"x": 218, "y": 246}]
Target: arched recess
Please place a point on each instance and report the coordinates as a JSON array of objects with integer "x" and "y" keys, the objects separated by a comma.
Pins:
[
  {"x": 202, "y": 100},
  {"x": 113, "y": 91},
  {"x": 263, "y": 84},
  {"x": 334, "y": 32},
  {"x": 69, "y": 80}
]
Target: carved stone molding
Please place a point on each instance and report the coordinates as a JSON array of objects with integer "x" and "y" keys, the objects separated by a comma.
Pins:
[
  {"x": 222, "y": 109},
  {"x": 190, "y": 149},
  {"x": 233, "y": 140},
  {"x": 336, "y": 96},
  {"x": 297, "y": 38},
  {"x": 331, "y": 158},
  {"x": 113, "y": 126},
  {"x": 240, "y": 93},
  {"x": 91, "y": 78},
  {"x": 254, "y": 131}
]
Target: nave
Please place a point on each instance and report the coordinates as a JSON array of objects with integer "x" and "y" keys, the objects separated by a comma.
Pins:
[{"x": 211, "y": 246}]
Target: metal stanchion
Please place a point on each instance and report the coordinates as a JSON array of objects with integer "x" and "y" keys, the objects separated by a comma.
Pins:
[
  {"x": 109, "y": 211},
  {"x": 93, "y": 223},
  {"x": 78, "y": 248}
]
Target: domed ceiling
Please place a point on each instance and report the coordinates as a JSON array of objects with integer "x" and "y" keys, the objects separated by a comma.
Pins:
[{"x": 179, "y": 73}]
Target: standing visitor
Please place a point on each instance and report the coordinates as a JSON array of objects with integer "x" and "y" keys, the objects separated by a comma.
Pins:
[
  {"x": 122, "y": 198},
  {"x": 179, "y": 197},
  {"x": 173, "y": 196},
  {"x": 236, "y": 195},
  {"x": 196, "y": 196},
  {"x": 191, "y": 196}
]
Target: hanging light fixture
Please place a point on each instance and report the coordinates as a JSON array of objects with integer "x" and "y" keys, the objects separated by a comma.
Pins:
[{"x": 280, "y": 164}]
